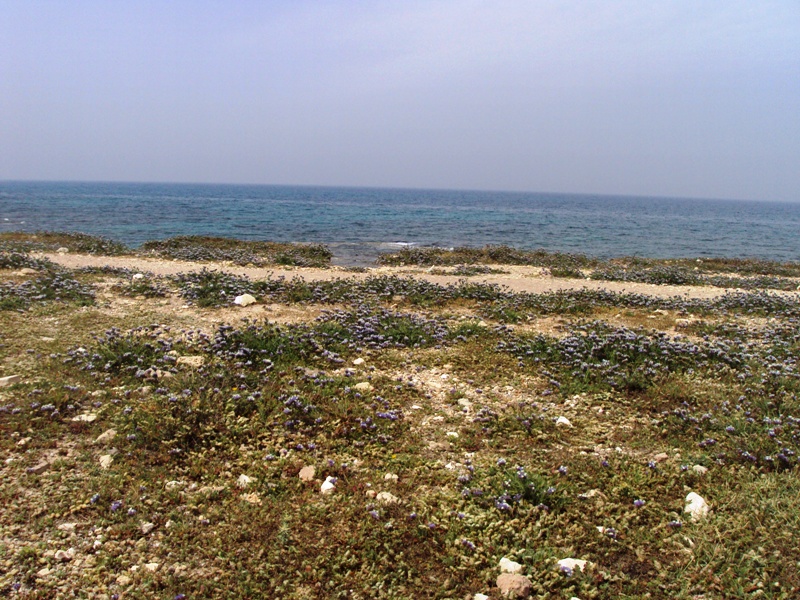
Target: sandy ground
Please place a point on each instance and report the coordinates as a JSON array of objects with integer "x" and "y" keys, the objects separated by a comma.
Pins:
[{"x": 518, "y": 278}]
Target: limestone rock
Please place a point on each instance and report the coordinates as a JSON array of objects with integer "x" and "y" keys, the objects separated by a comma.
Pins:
[
  {"x": 106, "y": 460},
  {"x": 661, "y": 457},
  {"x": 10, "y": 380},
  {"x": 358, "y": 361},
  {"x": 700, "y": 469},
  {"x": 328, "y": 486},
  {"x": 390, "y": 477},
  {"x": 244, "y": 300},
  {"x": 479, "y": 596},
  {"x": 63, "y": 250},
  {"x": 243, "y": 481},
  {"x": 387, "y": 498},
  {"x": 513, "y": 585},
  {"x": 40, "y": 467},
  {"x": 65, "y": 556},
  {"x": 563, "y": 422},
  {"x": 364, "y": 386},
  {"x": 251, "y": 498},
  {"x": 696, "y": 506},
  {"x": 191, "y": 361},
  {"x": 137, "y": 276},
  {"x": 147, "y": 527},
  {"x": 509, "y": 566},
  {"x": 123, "y": 580},
  {"x": 307, "y": 473},
  {"x": 152, "y": 567},
  {"x": 85, "y": 418},
  {"x": 571, "y": 564},
  {"x": 106, "y": 437}
]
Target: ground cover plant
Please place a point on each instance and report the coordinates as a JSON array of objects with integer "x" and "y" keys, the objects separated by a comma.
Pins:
[
  {"x": 52, "y": 241},
  {"x": 396, "y": 443},
  {"x": 240, "y": 252}
]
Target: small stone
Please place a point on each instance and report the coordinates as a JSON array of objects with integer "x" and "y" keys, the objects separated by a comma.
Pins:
[
  {"x": 370, "y": 493},
  {"x": 65, "y": 556},
  {"x": 452, "y": 434},
  {"x": 416, "y": 407},
  {"x": 10, "y": 380},
  {"x": 479, "y": 596},
  {"x": 328, "y": 486},
  {"x": 390, "y": 477},
  {"x": 509, "y": 566},
  {"x": 243, "y": 481},
  {"x": 43, "y": 572},
  {"x": 192, "y": 361},
  {"x": 563, "y": 422},
  {"x": 63, "y": 250},
  {"x": 307, "y": 473},
  {"x": 147, "y": 527},
  {"x": 169, "y": 524},
  {"x": 572, "y": 564},
  {"x": 387, "y": 498},
  {"x": 39, "y": 468},
  {"x": 358, "y": 361},
  {"x": 171, "y": 485},
  {"x": 28, "y": 271},
  {"x": 251, "y": 498},
  {"x": 700, "y": 469},
  {"x": 105, "y": 437},
  {"x": 661, "y": 457},
  {"x": 69, "y": 527},
  {"x": 85, "y": 418},
  {"x": 244, "y": 300},
  {"x": 23, "y": 442},
  {"x": 364, "y": 386},
  {"x": 696, "y": 506},
  {"x": 152, "y": 567},
  {"x": 138, "y": 276},
  {"x": 106, "y": 460},
  {"x": 513, "y": 585}
]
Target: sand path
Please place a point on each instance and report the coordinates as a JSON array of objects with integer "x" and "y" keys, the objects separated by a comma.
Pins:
[{"x": 518, "y": 278}]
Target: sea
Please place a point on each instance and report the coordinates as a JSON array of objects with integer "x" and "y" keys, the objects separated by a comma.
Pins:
[{"x": 358, "y": 224}]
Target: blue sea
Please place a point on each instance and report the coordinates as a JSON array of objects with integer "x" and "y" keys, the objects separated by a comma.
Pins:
[{"x": 360, "y": 223}]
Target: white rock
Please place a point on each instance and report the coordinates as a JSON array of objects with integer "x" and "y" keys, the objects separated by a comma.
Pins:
[
  {"x": 10, "y": 380},
  {"x": 700, "y": 469},
  {"x": 572, "y": 564},
  {"x": 174, "y": 484},
  {"x": 251, "y": 498},
  {"x": 147, "y": 527},
  {"x": 85, "y": 418},
  {"x": 43, "y": 572},
  {"x": 67, "y": 526},
  {"x": 106, "y": 437},
  {"x": 328, "y": 486},
  {"x": 452, "y": 434},
  {"x": 169, "y": 524},
  {"x": 479, "y": 596},
  {"x": 152, "y": 567},
  {"x": 123, "y": 580},
  {"x": 696, "y": 506},
  {"x": 244, "y": 300},
  {"x": 62, "y": 250},
  {"x": 307, "y": 473},
  {"x": 40, "y": 467},
  {"x": 387, "y": 498},
  {"x": 138, "y": 276},
  {"x": 23, "y": 442},
  {"x": 65, "y": 556},
  {"x": 509, "y": 566},
  {"x": 106, "y": 460},
  {"x": 191, "y": 361},
  {"x": 364, "y": 386},
  {"x": 390, "y": 477},
  {"x": 358, "y": 361},
  {"x": 416, "y": 407},
  {"x": 243, "y": 481},
  {"x": 563, "y": 422}
]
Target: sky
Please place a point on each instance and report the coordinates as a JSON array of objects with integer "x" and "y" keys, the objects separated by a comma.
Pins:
[{"x": 694, "y": 98}]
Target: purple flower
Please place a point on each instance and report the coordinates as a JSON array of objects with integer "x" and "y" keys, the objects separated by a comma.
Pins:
[
  {"x": 116, "y": 505},
  {"x": 638, "y": 503}
]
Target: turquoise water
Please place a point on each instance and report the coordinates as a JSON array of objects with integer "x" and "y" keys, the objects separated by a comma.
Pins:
[{"x": 359, "y": 223}]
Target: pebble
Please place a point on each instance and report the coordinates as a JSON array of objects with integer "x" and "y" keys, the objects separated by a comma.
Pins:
[
  {"x": 307, "y": 473},
  {"x": 328, "y": 486},
  {"x": 513, "y": 585},
  {"x": 700, "y": 469},
  {"x": 661, "y": 457},
  {"x": 65, "y": 556},
  {"x": 138, "y": 276},
  {"x": 479, "y": 596},
  {"x": 191, "y": 361},
  {"x": 364, "y": 386},
  {"x": 509, "y": 566},
  {"x": 171, "y": 485},
  {"x": 39, "y": 468},
  {"x": 244, "y": 300},
  {"x": 152, "y": 567},
  {"x": 696, "y": 506},
  {"x": 563, "y": 422},
  {"x": 452, "y": 434},
  {"x": 147, "y": 527},
  {"x": 67, "y": 526},
  {"x": 387, "y": 498},
  {"x": 572, "y": 564},
  {"x": 358, "y": 361},
  {"x": 251, "y": 498},
  {"x": 10, "y": 380},
  {"x": 106, "y": 460},
  {"x": 85, "y": 418},
  {"x": 105, "y": 437}
]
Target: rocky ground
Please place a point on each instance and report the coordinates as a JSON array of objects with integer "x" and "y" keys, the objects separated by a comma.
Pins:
[{"x": 394, "y": 433}]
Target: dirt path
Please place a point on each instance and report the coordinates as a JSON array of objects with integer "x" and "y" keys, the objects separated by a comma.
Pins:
[{"x": 518, "y": 279}]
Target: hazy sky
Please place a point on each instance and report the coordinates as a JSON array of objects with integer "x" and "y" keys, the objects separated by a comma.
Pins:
[{"x": 685, "y": 98}]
